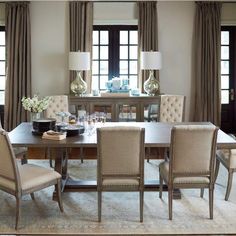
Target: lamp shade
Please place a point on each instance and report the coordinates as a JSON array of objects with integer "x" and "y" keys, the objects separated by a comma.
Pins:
[
  {"x": 151, "y": 60},
  {"x": 79, "y": 61}
]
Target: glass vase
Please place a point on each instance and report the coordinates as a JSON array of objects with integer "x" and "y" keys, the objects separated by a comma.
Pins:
[{"x": 35, "y": 116}]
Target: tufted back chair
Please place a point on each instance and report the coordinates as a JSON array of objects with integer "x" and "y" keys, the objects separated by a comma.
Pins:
[
  {"x": 58, "y": 103},
  {"x": 172, "y": 108}
]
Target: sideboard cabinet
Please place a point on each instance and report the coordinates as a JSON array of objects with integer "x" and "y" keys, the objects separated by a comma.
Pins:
[{"x": 116, "y": 108}]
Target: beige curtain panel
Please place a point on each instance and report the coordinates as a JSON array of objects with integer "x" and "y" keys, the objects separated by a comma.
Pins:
[
  {"x": 207, "y": 62},
  {"x": 147, "y": 34},
  {"x": 18, "y": 64},
  {"x": 81, "y": 31}
]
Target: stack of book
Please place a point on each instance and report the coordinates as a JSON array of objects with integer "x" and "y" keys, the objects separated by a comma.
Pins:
[{"x": 52, "y": 135}]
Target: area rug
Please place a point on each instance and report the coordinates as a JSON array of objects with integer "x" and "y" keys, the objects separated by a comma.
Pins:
[{"x": 120, "y": 211}]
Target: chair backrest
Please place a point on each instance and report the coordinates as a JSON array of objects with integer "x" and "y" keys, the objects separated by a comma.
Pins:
[
  {"x": 172, "y": 108},
  {"x": 8, "y": 167},
  {"x": 120, "y": 151},
  {"x": 58, "y": 103},
  {"x": 192, "y": 151}
]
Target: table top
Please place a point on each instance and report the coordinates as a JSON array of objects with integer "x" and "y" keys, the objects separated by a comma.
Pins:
[{"x": 157, "y": 134}]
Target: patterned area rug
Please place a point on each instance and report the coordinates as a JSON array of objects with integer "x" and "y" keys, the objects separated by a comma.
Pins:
[{"x": 120, "y": 211}]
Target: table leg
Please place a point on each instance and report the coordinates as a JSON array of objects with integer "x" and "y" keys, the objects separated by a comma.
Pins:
[{"x": 61, "y": 160}]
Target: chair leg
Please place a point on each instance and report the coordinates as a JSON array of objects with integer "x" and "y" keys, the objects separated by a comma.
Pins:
[
  {"x": 211, "y": 197},
  {"x": 18, "y": 203},
  {"x": 58, "y": 189},
  {"x": 217, "y": 169},
  {"x": 32, "y": 196},
  {"x": 166, "y": 154},
  {"x": 202, "y": 192},
  {"x": 50, "y": 162},
  {"x": 24, "y": 159},
  {"x": 82, "y": 155},
  {"x": 229, "y": 184},
  {"x": 170, "y": 201},
  {"x": 99, "y": 206},
  {"x": 161, "y": 185},
  {"x": 148, "y": 153},
  {"x": 141, "y": 194}
]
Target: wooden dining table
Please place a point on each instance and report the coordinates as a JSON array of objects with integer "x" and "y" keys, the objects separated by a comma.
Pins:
[{"x": 156, "y": 135}]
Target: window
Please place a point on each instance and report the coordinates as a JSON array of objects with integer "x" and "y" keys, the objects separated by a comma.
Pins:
[
  {"x": 2, "y": 64},
  {"x": 225, "y": 66},
  {"x": 115, "y": 54}
]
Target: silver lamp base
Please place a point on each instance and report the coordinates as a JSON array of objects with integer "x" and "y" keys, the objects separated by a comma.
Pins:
[
  {"x": 78, "y": 86},
  {"x": 151, "y": 85}
]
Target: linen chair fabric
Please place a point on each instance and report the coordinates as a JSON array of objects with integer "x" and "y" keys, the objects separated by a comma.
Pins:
[
  {"x": 120, "y": 161},
  {"x": 58, "y": 103},
  {"x": 191, "y": 162},
  {"x": 172, "y": 108},
  {"x": 227, "y": 157},
  {"x": 23, "y": 179},
  {"x": 20, "y": 152}
]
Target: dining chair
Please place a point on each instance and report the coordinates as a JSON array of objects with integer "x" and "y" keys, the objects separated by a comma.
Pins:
[
  {"x": 227, "y": 157},
  {"x": 19, "y": 180},
  {"x": 20, "y": 152},
  {"x": 120, "y": 166},
  {"x": 58, "y": 103},
  {"x": 191, "y": 162},
  {"x": 171, "y": 110}
]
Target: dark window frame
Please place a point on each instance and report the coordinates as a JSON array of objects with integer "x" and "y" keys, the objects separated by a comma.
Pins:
[
  {"x": 114, "y": 50},
  {"x": 2, "y": 28}
]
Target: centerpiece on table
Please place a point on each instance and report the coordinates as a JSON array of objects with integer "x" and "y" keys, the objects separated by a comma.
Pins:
[{"x": 35, "y": 105}]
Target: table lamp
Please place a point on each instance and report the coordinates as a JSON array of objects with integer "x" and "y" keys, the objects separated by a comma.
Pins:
[
  {"x": 151, "y": 61},
  {"x": 79, "y": 61}
]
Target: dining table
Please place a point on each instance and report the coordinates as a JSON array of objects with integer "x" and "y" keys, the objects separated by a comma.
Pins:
[{"x": 157, "y": 135}]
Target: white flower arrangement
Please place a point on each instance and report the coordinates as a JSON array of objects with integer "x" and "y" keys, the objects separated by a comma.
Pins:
[{"x": 35, "y": 104}]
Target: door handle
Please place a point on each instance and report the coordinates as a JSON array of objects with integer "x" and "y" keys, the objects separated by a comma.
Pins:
[{"x": 231, "y": 94}]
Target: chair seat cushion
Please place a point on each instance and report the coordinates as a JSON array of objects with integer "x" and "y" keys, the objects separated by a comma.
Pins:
[
  {"x": 32, "y": 176},
  {"x": 164, "y": 170},
  {"x": 123, "y": 183},
  {"x": 228, "y": 157}
]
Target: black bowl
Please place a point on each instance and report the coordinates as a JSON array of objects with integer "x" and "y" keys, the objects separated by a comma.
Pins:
[
  {"x": 43, "y": 125},
  {"x": 72, "y": 130}
]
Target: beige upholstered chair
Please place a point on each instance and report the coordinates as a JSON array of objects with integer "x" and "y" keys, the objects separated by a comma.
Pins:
[
  {"x": 191, "y": 162},
  {"x": 23, "y": 179},
  {"x": 228, "y": 159},
  {"x": 20, "y": 152},
  {"x": 58, "y": 103},
  {"x": 120, "y": 162},
  {"x": 172, "y": 108}
]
